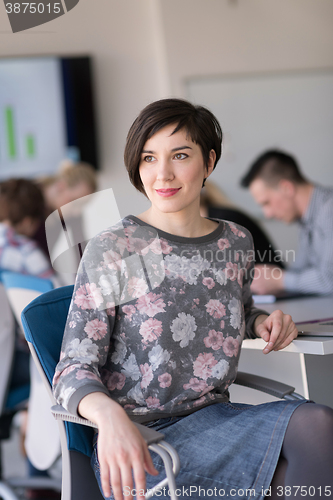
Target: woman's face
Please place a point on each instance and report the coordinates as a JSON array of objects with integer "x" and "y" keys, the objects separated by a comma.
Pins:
[{"x": 172, "y": 170}]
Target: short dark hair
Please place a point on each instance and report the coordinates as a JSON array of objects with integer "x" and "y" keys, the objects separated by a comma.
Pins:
[
  {"x": 200, "y": 124},
  {"x": 273, "y": 166},
  {"x": 20, "y": 198}
]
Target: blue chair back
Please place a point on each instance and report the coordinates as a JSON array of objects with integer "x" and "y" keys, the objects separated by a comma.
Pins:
[{"x": 44, "y": 321}]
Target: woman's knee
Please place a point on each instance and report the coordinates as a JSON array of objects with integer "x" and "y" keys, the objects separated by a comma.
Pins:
[{"x": 310, "y": 423}]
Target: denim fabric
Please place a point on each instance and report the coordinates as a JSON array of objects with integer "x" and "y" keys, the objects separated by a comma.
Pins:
[{"x": 226, "y": 450}]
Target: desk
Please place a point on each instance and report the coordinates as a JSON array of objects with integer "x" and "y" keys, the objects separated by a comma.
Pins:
[{"x": 306, "y": 364}]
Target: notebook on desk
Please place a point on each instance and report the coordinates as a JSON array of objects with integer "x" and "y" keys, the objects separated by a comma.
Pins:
[{"x": 316, "y": 328}]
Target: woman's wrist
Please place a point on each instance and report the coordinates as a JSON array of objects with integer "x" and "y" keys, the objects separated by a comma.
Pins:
[{"x": 100, "y": 408}]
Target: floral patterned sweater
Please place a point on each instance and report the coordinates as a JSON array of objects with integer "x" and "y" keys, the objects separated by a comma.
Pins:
[{"x": 156, "y": 320}]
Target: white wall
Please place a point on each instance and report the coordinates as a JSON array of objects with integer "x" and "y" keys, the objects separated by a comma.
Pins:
[
  {"x": 213, "y": 37},
  {"x": 146, "y": 49},
  {"x": 117, "y": 33}
]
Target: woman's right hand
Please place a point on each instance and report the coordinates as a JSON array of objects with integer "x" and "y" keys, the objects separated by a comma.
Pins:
[{"x": 122, "y": 451}]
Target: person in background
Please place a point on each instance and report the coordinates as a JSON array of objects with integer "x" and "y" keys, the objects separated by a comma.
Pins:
[
  {"x": 279, "y": 187},
  {"x": 73, "y": 181},
  {"x": 21, "y": 211},
  {"x": 214, "y": 203}
]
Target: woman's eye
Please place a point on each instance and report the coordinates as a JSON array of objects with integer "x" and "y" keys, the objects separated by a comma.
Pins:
[
  {"x": 180, "y": 156},
  {"x": 148, "y": 159}
]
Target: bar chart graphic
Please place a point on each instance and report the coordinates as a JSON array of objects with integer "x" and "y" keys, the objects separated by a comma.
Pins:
[
  {"x": 12, "y": 140},
  {"x": 32, "y": 121}
]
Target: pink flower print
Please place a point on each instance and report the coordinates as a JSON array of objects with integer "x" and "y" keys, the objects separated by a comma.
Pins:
[
  {"x": 153, "y": 402},
  {"x": 82, "y": 374},
  {"x": 137, "y": 287},
  {"x": 196, "y": 301},
  {"x": 208, "y": 282},
  {"x": 96, "y": 329},
  {"x": 129, "y": 230},
  {"x": 230, "y": 347},
  {"x": 181, "y": 292},
  {"x": 165, "y": 380},
  {"x": 107, "y": 234},
  {"x": 223, "y": 243},
  {"x": 151, "y": 329},
  {"x": 147, "y": 375},
  {"x": 202, "y": 366},
  {"x": 173, "y": 289},
  {"x": 214, "y": 340},
  {"x": 150, "y": 304},
  {"x": 72, "y": 324},
  {"x": 170, "y": 303},
  {"x": 231, "y": 271},
  {"x": 207, "y": 389},
  {"x": 222, "y": 325},
  {"x": 129, "y": 311},
  {"x": 196, "y": 385},
  {"x": 215, "y": 308},
  {"x": 166, "y": 248},
  {"x": 112, "y": 259},
  {"x": 138, "y": 245},
  {"x": 123, "y": 244},
  {"x": 200, "y": 401},
  {"x": 236, "y": 231},
  {"x": 155, "y": 246},
  {"x": 68, "y": 370},
  {"x": 64, "y": 372},
  {"x": 88, "y": 296},
  {"x": 116, "y": 381},
  {"x": 110, "y": 309}
]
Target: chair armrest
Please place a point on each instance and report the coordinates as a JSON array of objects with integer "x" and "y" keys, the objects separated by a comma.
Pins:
[
  {"x": 263, "y": 384},
  {"x": 149, "y": 435},
  {"x": 155, "y": 442}
]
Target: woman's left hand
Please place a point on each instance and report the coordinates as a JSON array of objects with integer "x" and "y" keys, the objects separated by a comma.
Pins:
[{"x": 277, "y": 329}]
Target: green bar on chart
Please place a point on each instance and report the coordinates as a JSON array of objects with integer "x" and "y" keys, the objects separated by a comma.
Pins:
[
  {"x": 30, "y": 146},
  {"x": 11, "y": 143}
]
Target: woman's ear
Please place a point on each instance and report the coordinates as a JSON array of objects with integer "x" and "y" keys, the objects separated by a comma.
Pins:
[{"x": 211, "y": 163}]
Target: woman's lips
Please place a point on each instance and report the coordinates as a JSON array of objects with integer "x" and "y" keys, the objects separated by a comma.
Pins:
[{"x": 166, "y": 193}]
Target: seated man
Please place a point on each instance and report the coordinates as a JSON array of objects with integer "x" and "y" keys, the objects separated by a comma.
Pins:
[{"x": 277, "y": 184}]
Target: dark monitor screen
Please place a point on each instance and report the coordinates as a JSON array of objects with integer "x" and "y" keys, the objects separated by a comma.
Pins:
[{"x": 47, "y": 114}]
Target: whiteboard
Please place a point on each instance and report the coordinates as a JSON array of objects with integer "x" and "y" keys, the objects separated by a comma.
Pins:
[{"x": 290, "y": 111}]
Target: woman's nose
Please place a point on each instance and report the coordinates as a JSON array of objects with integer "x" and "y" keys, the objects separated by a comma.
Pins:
[{"x": 165, "y": 170}]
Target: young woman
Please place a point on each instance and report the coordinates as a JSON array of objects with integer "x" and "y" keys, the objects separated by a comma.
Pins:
[{"x": 161, "y": 305}]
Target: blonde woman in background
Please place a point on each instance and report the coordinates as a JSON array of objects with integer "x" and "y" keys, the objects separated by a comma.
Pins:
[{"x": 72, "y": 181}]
